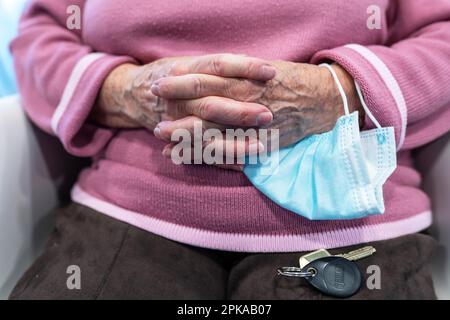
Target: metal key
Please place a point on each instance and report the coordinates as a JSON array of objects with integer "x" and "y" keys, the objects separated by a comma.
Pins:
[
  {"x": 357, "y": 254},
  {"x": 352, "y": 255}
]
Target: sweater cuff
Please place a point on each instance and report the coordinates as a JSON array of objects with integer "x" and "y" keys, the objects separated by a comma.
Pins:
[
  {"x": 80, "y": 93},
  {"x": 381, "y": 90}
]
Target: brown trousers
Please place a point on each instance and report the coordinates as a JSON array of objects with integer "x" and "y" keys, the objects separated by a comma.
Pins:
[{"x": 119, "y": 261}]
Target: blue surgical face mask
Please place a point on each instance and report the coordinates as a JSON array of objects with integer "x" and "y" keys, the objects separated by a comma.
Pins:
[{"x": 333, "y": 175}]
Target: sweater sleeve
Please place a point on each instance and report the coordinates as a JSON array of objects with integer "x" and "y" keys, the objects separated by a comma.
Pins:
[
  {"x": 59, "y": 77},
  {"x": 406, "y": 81}
]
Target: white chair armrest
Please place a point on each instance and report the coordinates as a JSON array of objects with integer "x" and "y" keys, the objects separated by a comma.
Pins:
[
  {"x": 434, "y": 164},
  {"x": 34, "y": 180}
]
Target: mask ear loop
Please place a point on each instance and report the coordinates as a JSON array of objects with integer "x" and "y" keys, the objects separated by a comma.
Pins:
[
  {"x": 366, "y": 108},
  {"x": 339, "y": 86}
]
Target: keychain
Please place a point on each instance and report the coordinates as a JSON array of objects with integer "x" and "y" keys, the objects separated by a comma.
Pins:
[{"x": 334, "y": 275}]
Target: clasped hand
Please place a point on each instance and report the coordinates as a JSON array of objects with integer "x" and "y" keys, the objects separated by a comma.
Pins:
[{"x": 224, "y": 91}]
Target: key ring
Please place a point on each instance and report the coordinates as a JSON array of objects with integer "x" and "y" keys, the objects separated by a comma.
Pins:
[{"x": 295, "y": 272}]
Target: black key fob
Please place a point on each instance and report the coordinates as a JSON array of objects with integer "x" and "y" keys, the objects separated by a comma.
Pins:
[{"x": 334, "y": 276}]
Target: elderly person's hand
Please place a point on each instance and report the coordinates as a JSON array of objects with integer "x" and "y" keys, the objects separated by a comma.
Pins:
[
  {"x": 126, "y": 99},
  {"x": 303, "y": 98}
]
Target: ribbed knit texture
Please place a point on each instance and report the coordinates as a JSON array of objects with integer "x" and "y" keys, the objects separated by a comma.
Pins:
[{"x": 403, "y": 69}]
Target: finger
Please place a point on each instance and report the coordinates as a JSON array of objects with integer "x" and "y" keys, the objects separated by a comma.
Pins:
[
  {"x": 235, "y": 149},
  {"x": 192, "y": 86},
  {"x": 221, "y": 110},
  {"x": 194, "y": 125},
  {"x": 221, "y": 150},
  {"x": 230, "y": 65}
]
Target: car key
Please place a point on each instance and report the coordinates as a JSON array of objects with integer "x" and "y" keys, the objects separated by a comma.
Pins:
[
  {"x": 335, "y": 276},
  {"x": 309, "y": 257}
]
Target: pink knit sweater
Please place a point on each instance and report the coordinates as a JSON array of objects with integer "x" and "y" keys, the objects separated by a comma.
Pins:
[{"x": 403, "y": 69}]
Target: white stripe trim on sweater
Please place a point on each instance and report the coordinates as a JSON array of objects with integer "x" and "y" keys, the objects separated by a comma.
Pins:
[
  {"x": 390, "y": 82},
  {"x": 247, "y": 242},
  {"x": 77, "y": 73}
]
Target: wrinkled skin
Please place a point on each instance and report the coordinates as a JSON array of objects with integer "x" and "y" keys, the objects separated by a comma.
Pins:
[
  {"x": 176, "y": 93},
  {"x": 126, "y": 101},
  {"x": 303, "y": 98}
]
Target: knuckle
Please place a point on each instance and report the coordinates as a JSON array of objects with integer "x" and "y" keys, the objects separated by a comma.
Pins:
[
  {"x": 218, "y": 65},
  {"x": 164, "y": 87},
  {"x": 229, "y": 88},
  {"x": 197, "y": 86},
  {"x": 250, "y": 67},
  {"x": 205, "y": 108}
]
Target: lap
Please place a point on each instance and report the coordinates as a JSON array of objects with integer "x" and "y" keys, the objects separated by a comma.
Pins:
[{"x": 119, "y": 261}]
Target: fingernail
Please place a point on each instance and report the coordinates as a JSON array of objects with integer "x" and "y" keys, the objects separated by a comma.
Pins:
[
  {"x": 159, "y": 128},
  {"x": 155, "y": 89},
  {"x": 162, "y": 124},
  {"x": 268, "y": 72},
  {"x": 264, "y": 118},
  {"x": 255, "y": 148},
  {"x": 157, "y": 132}
]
